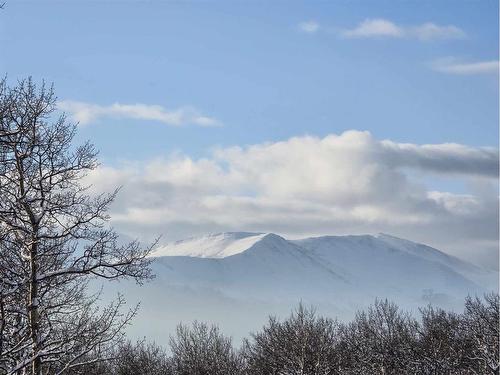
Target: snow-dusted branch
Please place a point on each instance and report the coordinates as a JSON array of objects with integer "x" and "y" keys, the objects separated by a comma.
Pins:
[{"x": 54, "y": 236}]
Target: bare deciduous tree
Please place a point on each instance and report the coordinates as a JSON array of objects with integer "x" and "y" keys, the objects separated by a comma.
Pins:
[
  {"x": 131, "y": 359},
  {"x": 301, "y": 344},
  {"x": 381, "y": 340},
  {"x": 481, "y": 324},
  {"x": 203, "y": 350},
  {"x": 54, "y": 238},
  {"x": 440, "y": 345}
]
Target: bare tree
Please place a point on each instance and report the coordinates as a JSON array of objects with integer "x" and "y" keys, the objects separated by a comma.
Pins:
[
  {"x": 130, "y": 359},
  {"x": 302, "y": 344},
  {"x": 481, "y": 324},
  {"x": 202, "y": 350},
  {"x": 54, "y": 238},
  {"x": 440, "y": 348},
  {"x": 380, "y": 340},
  {"x": 141, "y": 358}
]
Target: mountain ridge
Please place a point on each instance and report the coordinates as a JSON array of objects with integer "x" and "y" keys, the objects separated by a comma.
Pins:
[
  {"x": 229, "y": 244},
  {"x": 237, "y": 279}
]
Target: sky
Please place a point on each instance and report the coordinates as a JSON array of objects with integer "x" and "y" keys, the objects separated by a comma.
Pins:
[{"x": 295, "y": 117}]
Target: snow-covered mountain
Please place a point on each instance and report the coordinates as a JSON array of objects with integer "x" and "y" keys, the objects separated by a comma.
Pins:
[{"x": 237, "y": 279}]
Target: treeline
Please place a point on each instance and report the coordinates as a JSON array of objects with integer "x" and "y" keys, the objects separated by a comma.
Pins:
[{"x": 381, "y": 340}]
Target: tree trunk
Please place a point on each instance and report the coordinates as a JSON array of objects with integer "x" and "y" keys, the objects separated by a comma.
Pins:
[{"x": 33, "y": 310}]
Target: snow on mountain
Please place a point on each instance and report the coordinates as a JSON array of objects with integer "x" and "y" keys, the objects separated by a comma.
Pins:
[
  {"x": 237, "y": 279},
  {"x": 389, "y": 267},
  {"x": 218, "y": 245},
  {"x": 473, "y": 272}
]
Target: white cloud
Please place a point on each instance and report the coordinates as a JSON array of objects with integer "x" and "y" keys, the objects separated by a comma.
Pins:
[
  {"x": 374, "y": 28},
  {"x": 430, "y": 31},
  {"x": 377, "y": 28},
  {"x": 347, "y": 183},
  {"x": 452, "y": 66},
  {"x": 85, "y": 113},
  {"x": 309, "y": 27}
]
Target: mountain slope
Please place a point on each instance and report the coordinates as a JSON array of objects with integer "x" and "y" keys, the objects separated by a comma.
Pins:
[{"x": 237, "y": 279}]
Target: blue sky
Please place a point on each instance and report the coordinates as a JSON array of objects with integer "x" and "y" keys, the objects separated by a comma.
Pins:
[
  {"x": 248, "y": 65},
  {"x": 216, "y": 74}
]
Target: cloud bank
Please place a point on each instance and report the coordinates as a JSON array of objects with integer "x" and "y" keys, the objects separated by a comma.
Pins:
[
  {"x": 378, "y": 27},
  {"x": 347, "y": 183},
  {"x": 382, "y": 28},
  {"x": 85, "y": 113}
]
